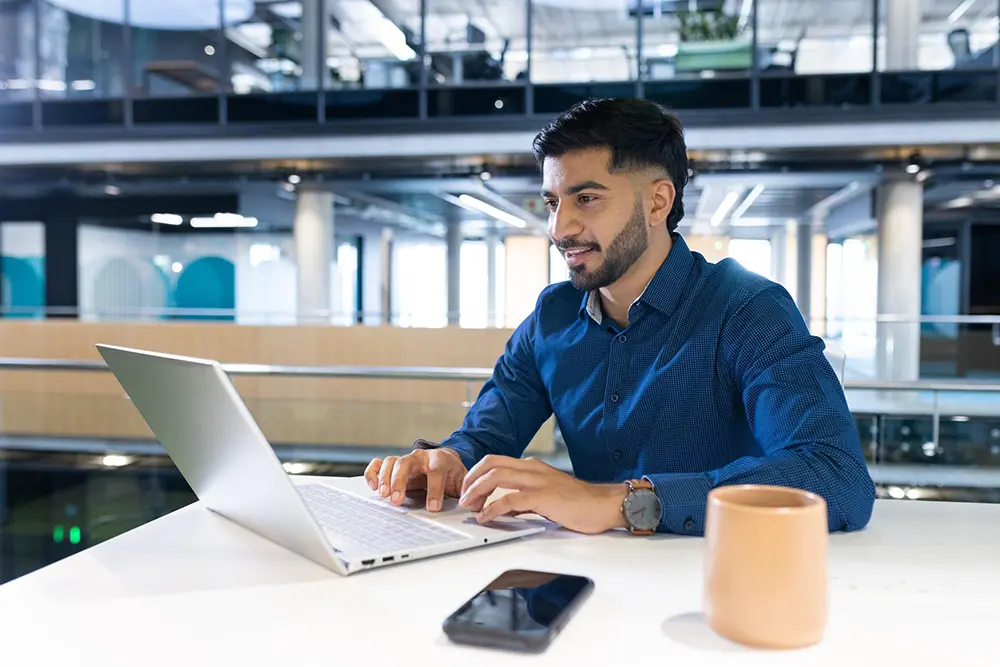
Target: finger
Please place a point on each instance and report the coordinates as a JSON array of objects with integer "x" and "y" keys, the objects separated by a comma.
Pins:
[
  {"x": 487, "y": 464},
  {"x": 371, "y": 474},
  {"x": 436, "y": 473},
  {"x": 385, "y": 475},
  {"x": 518, "y": 502},
  {"x": 401, "y": 473},
  {"x": 508, "y": 478}
]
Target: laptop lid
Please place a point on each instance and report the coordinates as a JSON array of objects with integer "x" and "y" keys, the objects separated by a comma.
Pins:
[{"x": 197, "y": 415}]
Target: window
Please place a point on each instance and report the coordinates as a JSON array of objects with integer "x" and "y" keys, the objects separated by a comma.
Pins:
[
  {"x": 473, "y": 307},
  {"x": 558, "y": 270},
  {"x": 419, "y": 286},
  {"x": 347, "y": 284},
  {"x": 753, "y": 254}
]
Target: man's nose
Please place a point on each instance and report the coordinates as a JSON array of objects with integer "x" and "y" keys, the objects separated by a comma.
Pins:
[{"x": 563, "y": 224}]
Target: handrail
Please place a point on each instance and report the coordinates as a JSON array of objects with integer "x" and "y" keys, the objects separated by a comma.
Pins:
[
  {"x": 366, "y": 372},
  {"x": 327, "y": 314},
  {"x": 456, "y": 374}
]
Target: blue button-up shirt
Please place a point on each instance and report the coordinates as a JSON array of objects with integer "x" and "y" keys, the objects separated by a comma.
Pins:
[{"x": 715, "y": 381}]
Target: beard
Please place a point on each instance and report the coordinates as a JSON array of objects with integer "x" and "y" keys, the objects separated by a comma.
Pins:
[{"x": 623, "y": 251}]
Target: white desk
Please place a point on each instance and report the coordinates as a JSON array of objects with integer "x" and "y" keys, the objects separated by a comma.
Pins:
[{"x": 921, "y": 586}]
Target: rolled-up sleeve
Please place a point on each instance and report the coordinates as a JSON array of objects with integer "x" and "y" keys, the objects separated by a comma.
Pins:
[{"x": 797, "y": 411}]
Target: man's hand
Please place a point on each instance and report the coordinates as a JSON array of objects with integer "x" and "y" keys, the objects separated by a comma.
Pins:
[
  {"x": 539, "y": 488},
  {"x": 439, "y": 471}
]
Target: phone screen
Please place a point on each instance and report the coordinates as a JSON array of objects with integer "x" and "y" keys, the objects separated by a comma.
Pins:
[{"x": 520, "y": 609}]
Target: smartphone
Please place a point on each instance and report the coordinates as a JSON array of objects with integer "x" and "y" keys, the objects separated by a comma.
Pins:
[{"x": 521, "y": 610}]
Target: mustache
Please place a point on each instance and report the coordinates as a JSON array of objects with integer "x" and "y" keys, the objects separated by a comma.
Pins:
[{"x": 575, "y": 244}]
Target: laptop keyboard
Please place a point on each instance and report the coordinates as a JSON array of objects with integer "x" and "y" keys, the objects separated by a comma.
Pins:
[{"x": 376, "y": 527}]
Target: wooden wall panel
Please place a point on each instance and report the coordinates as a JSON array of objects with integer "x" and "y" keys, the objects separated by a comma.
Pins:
[{"x": 290, "y": 410}]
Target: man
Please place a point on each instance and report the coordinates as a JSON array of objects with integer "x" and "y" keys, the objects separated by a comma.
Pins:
[{"x": 668, "y": 375}]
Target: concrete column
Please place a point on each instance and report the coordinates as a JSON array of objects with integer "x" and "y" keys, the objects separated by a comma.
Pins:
[
  {"x": 900, "y": 250},
  {"x": 803, "y": 272},
  {"x": 315, "y": 255},
  {"x": 778, "y": 255},
  {"x": 454, "y": 240},
  {"x": 817, "y": 282},
  {"x": 311, "y": 18},
  {"x": 385, "y": 282},
  {"x": 901, "y": 32},
  {"x": 491, "y": 279}
]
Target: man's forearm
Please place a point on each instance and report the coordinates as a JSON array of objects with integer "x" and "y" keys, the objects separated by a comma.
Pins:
[{"x": 839, "y": 478}]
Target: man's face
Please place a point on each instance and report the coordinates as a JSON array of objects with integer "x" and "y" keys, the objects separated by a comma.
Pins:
[{"x": 596, "y": 218}]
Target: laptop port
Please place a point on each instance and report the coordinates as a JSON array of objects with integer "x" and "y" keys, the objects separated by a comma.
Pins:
[
  {"x": 370, "y": 561},
  {"x": 388, "y": 559},
  {"x": 404, "y": 556}
]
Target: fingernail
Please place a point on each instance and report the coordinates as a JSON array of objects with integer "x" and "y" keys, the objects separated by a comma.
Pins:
[
  {"x": 397, "y": 496},
  {"x": 434, "y": 505},
  {"x": 383, "y": 490},
  {"x": 371, "y": 485}
]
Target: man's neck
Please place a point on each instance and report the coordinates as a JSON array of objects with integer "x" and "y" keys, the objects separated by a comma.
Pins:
[{"x": 619, "y": 296}]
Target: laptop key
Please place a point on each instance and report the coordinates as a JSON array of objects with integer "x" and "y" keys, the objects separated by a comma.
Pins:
[{"x": 371, "y": 525}]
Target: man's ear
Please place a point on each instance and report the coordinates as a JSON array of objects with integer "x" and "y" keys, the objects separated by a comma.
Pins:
[{"x": 662, "y": 199}]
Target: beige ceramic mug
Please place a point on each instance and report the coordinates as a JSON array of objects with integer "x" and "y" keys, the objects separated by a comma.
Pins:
[{"x": 765, "y": 565}]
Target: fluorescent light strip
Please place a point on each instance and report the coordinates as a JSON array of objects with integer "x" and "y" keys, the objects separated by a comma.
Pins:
[
  {"x": 224, "y": 220},
  {"x": 391, "y": 37},
  {"x": 744, "y": 14},
  {"x": 748, "y": 202},
  {"x": 961, "y": 10},
  {"x": 724, "y": 208},
  {"x": 166, "y": 219},
  {"x": 473, "y": 204}
]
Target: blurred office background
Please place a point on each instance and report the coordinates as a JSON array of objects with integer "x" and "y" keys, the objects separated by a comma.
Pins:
[{"x": 337, "y": 198}]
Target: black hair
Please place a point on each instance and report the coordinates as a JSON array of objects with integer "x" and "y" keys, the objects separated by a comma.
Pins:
[{"x": 640, "y": 134}]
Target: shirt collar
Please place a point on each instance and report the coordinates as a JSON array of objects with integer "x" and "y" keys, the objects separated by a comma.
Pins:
[{"x": 662, "y": 293}]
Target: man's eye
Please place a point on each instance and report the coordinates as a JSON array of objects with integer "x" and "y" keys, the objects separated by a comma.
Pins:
[
  {"x": 551, "y": 204},
  {"x": 587, "y": 199}
]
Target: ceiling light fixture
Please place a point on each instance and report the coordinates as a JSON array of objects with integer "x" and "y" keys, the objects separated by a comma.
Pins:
[
  {"x": 224, "y": 220},
  {"x": 727, "y": 205},
  {"x": 116, "y": 460},
  {"x": 391, "y": 37},
  {"x": 478, "y": 205},
  {"x": 166, "y": 219},
  {"x": 748, "y": 202},
  {"x": 961, "y": 10}
]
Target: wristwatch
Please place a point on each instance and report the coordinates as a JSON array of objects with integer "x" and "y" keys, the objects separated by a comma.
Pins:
[{"x": 642, "y": 508}]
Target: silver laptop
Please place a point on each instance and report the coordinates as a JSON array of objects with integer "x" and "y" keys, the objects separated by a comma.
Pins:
[{"x": 197, "y": 415}]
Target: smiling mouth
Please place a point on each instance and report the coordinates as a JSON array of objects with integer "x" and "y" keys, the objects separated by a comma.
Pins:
[{"x": 577, "y": 256}]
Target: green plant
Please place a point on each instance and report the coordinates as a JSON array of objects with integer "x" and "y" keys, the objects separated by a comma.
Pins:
[{"x": 708, "y": 27}]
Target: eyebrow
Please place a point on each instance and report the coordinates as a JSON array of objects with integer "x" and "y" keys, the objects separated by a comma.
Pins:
[{"x": 579, "y": 187}]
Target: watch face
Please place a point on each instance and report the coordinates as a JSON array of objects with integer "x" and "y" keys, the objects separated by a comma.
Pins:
[{"x": 643, "y": 510}]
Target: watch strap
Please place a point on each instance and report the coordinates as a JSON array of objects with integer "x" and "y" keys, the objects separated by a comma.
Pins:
[
  {"x": 637, "y": 485},
  {"x": 643, "y": 483}
]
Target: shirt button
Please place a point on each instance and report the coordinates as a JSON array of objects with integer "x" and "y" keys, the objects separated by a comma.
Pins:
[
  {"x": 614, "y": 398},
  {"x": 622, "y": 338},
  {"x": 617, "y": 455},
  {"x": 689, "y": 524}
]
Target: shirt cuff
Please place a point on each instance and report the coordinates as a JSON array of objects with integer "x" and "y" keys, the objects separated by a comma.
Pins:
[
  {"x": 684, "y": 497},
  {"x": 465, "y": 450}
]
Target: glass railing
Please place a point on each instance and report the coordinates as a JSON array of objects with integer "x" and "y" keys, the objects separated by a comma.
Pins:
[
  {"x": 434, "y": 59},
  {"x": 78, "y": 466},
  {"x": 329, "y": 413}
]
